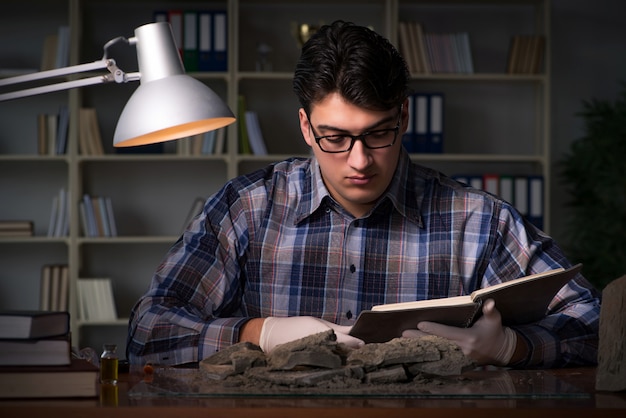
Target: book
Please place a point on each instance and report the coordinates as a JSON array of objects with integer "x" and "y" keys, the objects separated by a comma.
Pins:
[
  {"x": 96, "y": 301},
  {"x": 244, "y": 140},
  {"x": 78, "y": 379},
  {"x": 15, "y": 228},
  {"x": 190, "y": 40},
  {"x": 220, "y": 41},
  {"x": 519, "y": 301},
  {"x": 52, "y": 351},
  {"x": 255, "y": 135},
  {"x": 194, "y": 210},
  {"x": 23, "y": 324}
]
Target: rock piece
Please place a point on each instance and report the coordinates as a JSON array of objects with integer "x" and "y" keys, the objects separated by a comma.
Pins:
[
  {"x": 315, "y": 357},
  {"x": 396, "y": 351},
  {"x": 316, "y": 350},
  {"x": 232, "y": 360},
  {"x": 611, "y": 373},
  {"x": 301, "y": 378},
  {"x": 395, "y": 374},
  {"x": 217, "y": 371},
  {"x": 247, "y": 359},
  {"x": 223, "y": 356},
  {"x": 452, "y": 360}
]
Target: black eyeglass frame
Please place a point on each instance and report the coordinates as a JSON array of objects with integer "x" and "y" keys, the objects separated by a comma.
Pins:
[{"x": 360, "y": 137}]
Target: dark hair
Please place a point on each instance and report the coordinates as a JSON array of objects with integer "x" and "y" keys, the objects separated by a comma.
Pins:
[{"x": 361, "y": 65}]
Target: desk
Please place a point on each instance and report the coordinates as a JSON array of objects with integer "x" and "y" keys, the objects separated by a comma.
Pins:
[{"x": 587, "y": 403}]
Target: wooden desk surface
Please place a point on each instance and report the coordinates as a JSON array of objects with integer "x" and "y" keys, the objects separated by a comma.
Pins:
[{"x": 586, "y": 403}]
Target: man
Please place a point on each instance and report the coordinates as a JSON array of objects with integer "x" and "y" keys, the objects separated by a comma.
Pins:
[{"x": 306, "y": 244}]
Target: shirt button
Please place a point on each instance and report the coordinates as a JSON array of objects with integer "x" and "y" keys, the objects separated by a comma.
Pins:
[
  {"x": 349, "y": 314},
  {"x": 352, "y": 268}
]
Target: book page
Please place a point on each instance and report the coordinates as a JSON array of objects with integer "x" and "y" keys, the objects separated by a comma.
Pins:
[
  {"x": 421, "y": 304},
  {"x": 526, "y": 300},
  {"x": 514, "y": 282}
]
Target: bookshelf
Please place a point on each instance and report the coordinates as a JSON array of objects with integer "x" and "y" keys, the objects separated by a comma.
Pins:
[{"x": 494, "y": 122}]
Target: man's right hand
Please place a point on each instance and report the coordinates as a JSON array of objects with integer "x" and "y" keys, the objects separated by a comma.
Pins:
[{"x": 276, "y": 331}]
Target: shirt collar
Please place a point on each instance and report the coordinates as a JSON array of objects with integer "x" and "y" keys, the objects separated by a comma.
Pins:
[{"x": 405, "y": 192}]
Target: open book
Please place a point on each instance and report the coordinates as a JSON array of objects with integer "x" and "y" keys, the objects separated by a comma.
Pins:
[{"x": 520, "y": 301}]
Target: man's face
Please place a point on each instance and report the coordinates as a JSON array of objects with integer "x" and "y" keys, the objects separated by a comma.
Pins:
[{"x": 357, "y": 178}]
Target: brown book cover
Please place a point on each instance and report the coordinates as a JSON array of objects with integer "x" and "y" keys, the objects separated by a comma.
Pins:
[
  {"x": 79, "y": 379},
  {"x": 33, "y": 324},
  {"x": 520, "y": 301},
  {"x": 51, "y": 351}
]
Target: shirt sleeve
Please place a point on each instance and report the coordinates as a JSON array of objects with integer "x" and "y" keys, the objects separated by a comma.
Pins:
[
  {"x": 568, "y": 334},
  {"x": 192, "y": 308}
]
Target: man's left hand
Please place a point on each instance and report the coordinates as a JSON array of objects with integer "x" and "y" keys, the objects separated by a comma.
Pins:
[{"x": 486, "y": 342}]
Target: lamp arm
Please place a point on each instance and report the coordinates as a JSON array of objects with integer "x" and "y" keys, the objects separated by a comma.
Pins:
[{"x": 115, "y": 75}]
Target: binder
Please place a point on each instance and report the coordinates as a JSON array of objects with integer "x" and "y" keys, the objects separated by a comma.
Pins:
[
  {"x": 461, "y": 179},
  {"x": 408, "y": 139},
  {"x": 506, "y": 189},
  {"x": 160, "y": 16},
  {"x": 435, "y": 134},
  {"x": 175, "y": 17},
  {"x": 205, "y": 41},
  {"x": 491, "y": 183},
  {"x": 521, "y": 195},
  {"x": 190, "y": 41},
  {"x": 535, "y": 200},
  {"x": 421, "y": 122},
  {"x": 220, "y": 42},
  {"x": 476, "y": 182}
]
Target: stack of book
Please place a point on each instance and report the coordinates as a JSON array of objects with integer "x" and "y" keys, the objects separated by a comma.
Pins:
[
  {"x": 52, "y": 132},
  {"x": 97, "y": 217},
  {"x": 526, "y": 54},
  {"x": 59, "y": 225},
  {"x": 95, "y": 300},
  {"x": 54, "y": 288},
  {"x": 36, "y": 360},
  {"x": 16, "y": 228},
  {"x": 89, "y": 138},
  {"x": 34, "y": 338},
  {"x": 427, "y": 53}
]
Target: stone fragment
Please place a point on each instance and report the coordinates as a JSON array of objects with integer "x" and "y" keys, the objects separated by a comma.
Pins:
[
  {"x": 300, "y": 378},
  {"x": 452, "y": 360},
  {"x": 223, "y": 356},
  {"x": 396, "y": 351},
  {"x": 611, "y": 373},
  {"x": 319, "y": 357},
  {"x": 394, "y": 374},
  {"x": 217, "y": 371},
  {"x": 315, "y": 350},
  {"x": 322, "y": 339},
  {"x": 247, "y": 359}
]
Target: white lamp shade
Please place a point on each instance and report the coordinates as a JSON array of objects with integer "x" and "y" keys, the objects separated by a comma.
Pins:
[{"x": 168, "y": 104}]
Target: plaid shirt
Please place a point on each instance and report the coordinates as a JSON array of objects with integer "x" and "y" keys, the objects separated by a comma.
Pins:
[{"x": 274, "y": 243}]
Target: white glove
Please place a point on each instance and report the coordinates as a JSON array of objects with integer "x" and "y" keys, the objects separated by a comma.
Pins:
[
  {"x": 276, "y": 331},
  {"x": 486, "y": 342}
]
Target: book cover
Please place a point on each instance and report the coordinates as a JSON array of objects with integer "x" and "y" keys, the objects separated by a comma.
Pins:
[
  {"x": 255, "y": 135},
  {"x": 220, "y": 42},
  {"x": 78, "y": 379},
  {"x": 519, "y": 301},
  {"x": 190, "y": 40},
  {"x": 22, "y": 324},
  {"x": 205, "y": 41},
  {"x": 52, "y": 351}
]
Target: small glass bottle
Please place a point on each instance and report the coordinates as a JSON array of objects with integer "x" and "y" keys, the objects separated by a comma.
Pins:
[{"x": 108, "y": 364}]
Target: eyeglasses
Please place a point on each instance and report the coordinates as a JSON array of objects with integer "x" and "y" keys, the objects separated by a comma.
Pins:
[{"x": 379, "y": 138}]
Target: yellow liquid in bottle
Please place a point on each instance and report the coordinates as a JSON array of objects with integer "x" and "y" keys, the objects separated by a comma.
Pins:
[
  {"x": 108, "y": 394},
  {"x": 108, "y": 370}
]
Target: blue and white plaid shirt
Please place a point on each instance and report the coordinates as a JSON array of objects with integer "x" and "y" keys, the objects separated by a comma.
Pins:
[{"x": 274, "y": 243}]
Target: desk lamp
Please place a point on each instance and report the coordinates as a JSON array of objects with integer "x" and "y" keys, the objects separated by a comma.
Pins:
[{"x": 167, "y": 105}]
